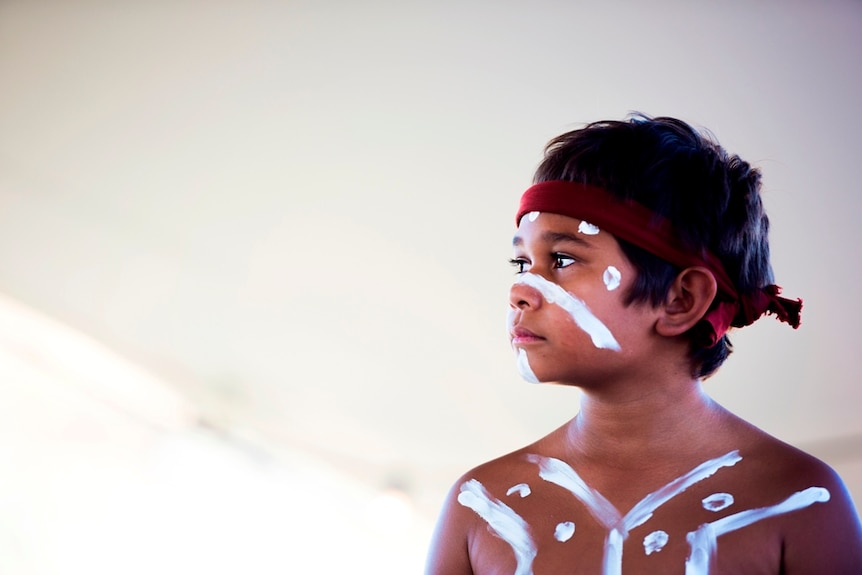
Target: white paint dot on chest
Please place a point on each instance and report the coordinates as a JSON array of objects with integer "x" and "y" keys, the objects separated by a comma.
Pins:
[
  {"x": 717, "y": 501},
  {"x": 521, "y": 489},
  {"x": 612, "y": 278},
  {"x": 655, "y": 542},
  {"x": 564, "y": 531},
  {"x": 588, "y": 229}
]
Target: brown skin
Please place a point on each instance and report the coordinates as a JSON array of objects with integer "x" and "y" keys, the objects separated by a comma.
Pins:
[{"x": 644, "y": 421}]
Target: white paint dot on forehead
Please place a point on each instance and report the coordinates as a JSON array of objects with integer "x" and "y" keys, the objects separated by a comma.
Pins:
[
  {"x": 532, "y": 216},
  {"x": 612, "y": 277},
  {"x": 717, "y": 501},
  {"x": 564, "y": 531},
  {"x": 588, "y": 229},
  {"x": 655, "y": 542}
]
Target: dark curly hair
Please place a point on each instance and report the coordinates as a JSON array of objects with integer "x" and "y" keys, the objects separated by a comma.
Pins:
[{"x": 712, "y": 198}]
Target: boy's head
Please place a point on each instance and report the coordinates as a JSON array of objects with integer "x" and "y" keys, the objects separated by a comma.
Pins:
[{"x": 710, "y": 198}]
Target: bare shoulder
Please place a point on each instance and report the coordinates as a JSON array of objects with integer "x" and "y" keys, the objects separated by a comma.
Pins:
[
  {"x": 475, "y": 501},
  {"x": 809, "y": 506}
]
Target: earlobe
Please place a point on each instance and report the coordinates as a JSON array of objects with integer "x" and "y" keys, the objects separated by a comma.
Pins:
[{"x": 687, "y": 301}]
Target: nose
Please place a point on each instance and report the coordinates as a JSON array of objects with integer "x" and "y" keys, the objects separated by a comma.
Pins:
[{"x": 524, "y": 297}]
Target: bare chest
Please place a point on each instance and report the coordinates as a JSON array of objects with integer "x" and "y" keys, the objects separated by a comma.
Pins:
[
  {"x": 697, "y": 524},
  {"x": 571, "y": 542}
]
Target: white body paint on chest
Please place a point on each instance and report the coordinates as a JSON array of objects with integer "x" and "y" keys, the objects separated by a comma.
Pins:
[
  {"x": 560, "y": 473},
  {"x": 717, "y": 501},
  {"x": 503, "y": 521},
  {"x": 564, "y": 531},
  {"x": 511, "y": 527},
  {"x": 521, "y": 489},
  {"x": 655, "y": 542},
  {"x": 600, "y": 335},
  {"x": 703, "y": 542}
]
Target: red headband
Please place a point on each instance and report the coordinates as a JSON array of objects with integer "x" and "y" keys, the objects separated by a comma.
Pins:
[{"x": 636, "y": 224}]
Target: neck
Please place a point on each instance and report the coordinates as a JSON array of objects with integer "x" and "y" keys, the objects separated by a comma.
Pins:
[{"x": 648, "y": 427}]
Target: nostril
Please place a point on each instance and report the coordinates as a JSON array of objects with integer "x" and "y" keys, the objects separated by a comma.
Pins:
[{"x": 523, "y": 297}]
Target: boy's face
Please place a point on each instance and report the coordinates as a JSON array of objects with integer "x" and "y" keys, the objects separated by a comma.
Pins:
[{"x": 568, "y": 321}]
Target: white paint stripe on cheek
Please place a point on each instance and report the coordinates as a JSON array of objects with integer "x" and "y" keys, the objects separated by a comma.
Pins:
[
  {"x": 703, "y": 542},
  {"x": 600, "y": 335},
  {"x": 505, "y": 523},
  {"x": 612, "y": 278},
  {"x": 524, "y": 367}
]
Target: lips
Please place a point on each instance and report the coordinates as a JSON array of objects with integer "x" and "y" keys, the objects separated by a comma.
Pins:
[{"x": 521, "y": 335}]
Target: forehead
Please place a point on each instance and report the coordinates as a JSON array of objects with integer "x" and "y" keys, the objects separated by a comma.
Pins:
[{"x": 547, "y": 228}]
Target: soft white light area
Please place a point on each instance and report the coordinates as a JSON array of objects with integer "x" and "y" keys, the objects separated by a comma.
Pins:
[
  {"x": 391, "y": 513},
  {"x": 70, "y": 359},
  {"x": 93, "y": 485}
]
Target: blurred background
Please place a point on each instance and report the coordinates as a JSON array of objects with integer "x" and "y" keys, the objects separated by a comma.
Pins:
[{"x": 253, "y": 271}]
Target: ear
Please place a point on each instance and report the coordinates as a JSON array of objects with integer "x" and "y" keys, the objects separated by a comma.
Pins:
[{"x": 687, "y": 301}]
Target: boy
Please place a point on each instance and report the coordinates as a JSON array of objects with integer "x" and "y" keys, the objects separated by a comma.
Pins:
[{"x": 641, "y": 243}]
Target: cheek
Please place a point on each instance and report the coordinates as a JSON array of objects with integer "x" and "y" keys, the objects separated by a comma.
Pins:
[{"x": 587, "y": 317}]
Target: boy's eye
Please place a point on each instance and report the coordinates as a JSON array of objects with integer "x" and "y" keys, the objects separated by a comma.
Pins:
[
  {"x": 520, "y": 265},
  {"x": 562, "y": 261}
]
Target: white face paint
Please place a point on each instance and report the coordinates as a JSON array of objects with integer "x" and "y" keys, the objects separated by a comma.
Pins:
[
  {"x": 600, "y": 335},
  {"x": 524, "y": 367},
  {"x": 588, "y": 229},
  {"x": 521, "y": 489},
  {"x": 717, "y": 501},
  {"x": 612, "y": 277},
  {"x": 503, "y": 521},
  {"x": 655, "y": 542},
  {"x": 564, "y": 531},
  {"x": 532, "y": 216}
]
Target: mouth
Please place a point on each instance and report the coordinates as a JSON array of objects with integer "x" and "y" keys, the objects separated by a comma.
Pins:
[{"x": 522, "y": 336}]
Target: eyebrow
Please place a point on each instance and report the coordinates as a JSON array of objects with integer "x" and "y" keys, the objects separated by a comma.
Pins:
[{"x": 554, "y": 237}]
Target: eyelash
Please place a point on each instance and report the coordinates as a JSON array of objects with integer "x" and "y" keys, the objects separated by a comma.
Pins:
[
  {"x": 557, "y": 257},
  {"x": 518, "y": 263}
]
